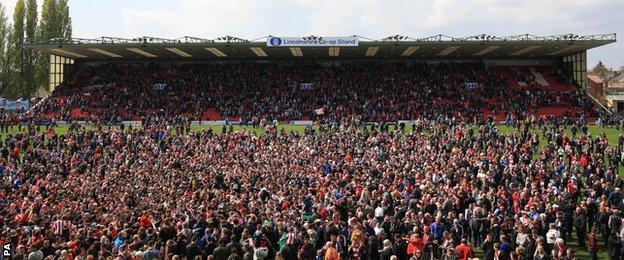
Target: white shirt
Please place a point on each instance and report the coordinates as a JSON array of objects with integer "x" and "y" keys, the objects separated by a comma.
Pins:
[
  {"x": 521, "y": 238},
  {"x": 552, "y": 235},
  {"x": 379, "y": 212}
]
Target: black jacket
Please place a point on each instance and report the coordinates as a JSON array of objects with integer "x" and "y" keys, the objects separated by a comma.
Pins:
[
  {"x": 289, "y": 252},
  {"x": 488, "y": 250},
  {"x": 614, "y": 245}
]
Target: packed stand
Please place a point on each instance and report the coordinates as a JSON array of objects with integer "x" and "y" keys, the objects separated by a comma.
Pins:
[{"x": 251, "y": 92}]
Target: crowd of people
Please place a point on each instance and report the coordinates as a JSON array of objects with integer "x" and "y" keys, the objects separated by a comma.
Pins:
[
  {"x": 251, "y": 92},
  {"x": 432, "y": 190},
  {"x": 449, "y": 186},
  {"x": 524, "y": 78}
]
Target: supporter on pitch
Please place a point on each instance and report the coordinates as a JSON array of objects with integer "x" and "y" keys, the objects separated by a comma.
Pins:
[{"x": 117, "y": 193}]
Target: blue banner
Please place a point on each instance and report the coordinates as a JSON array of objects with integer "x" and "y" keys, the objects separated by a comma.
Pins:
[
  {"x": 14, "y": 105},
  {"x": 160, "y": 86},
  {"x": 471, "y": 85},
  {"x": 312, "y": 41},
  {"x": 306, "y": 86}
]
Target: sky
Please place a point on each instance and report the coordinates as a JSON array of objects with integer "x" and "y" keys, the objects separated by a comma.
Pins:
[{"x": 374, "y": 19}]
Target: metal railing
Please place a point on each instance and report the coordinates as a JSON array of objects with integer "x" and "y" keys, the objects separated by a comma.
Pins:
[{"x": 566, "y": 38}]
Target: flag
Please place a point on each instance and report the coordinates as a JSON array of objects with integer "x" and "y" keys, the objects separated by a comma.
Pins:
[
  {"x": 320, "y": 111},
  {"x": 159, "y": 134},
  {"x": 327, "y": 169},
  {"x": 118, "y": 242}
]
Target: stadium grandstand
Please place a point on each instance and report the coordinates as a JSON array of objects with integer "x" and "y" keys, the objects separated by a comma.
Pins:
[{"x": 501, "y": 77}]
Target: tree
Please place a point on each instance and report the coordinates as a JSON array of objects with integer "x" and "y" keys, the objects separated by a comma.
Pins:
[
  {"x": 5, "y": 56},
  {"x": 48, "y": 23},
  {"x": 30, "y": 57},
  {"x": 600, "y": 69},
  {"x": 621, "y": 70},
  {"x": 17, "y": 43},
  {"x": 23, "y": 70},
  {"x": 31, "y": 19},
  {"x": 55, "y": 22},
  {"x": 64, "y": 19},
  {"x": 48, "y": 26}
]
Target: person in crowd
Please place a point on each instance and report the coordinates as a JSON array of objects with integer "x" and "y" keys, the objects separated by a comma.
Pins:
[
  {"x": 614, "y": 245},
  {"x": 464, "y": 251},
  {"x": 592, "y": 245}
]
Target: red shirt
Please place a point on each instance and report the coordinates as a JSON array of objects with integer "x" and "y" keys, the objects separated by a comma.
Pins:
[
  {"x": 21, "y": 218},
  {"x": 415, "y": 245},
  {"x": 571, "y": 187},
  {"x": 37, "y": 241},
  {"x": 145, "y": 222},
  {"x": 323, "y": 213},
  {"x": 113, "y": 233},
  {"x": 72, "y": 244},
  {"x": 358, "y": 191},
  {"x": 285, "y": 204},
  {"x": 591, "y": 246},
  {"x": 464, "y": 252},
  {"x": 348, "y": 158},
  {"x": 584, "y": 161}
]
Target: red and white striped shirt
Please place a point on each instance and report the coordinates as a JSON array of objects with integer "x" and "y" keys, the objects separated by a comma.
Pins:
[{"x": 59, "y": 226}]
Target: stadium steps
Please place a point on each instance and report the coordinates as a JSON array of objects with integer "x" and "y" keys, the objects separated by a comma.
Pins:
[
  {"x": 553, "y": 85},
  {"x": 598, "y": 104},
  {"x": 539, "y": 78},
  {"x": 544, "y": 80},
  {"x": 523, "y": 83}
]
